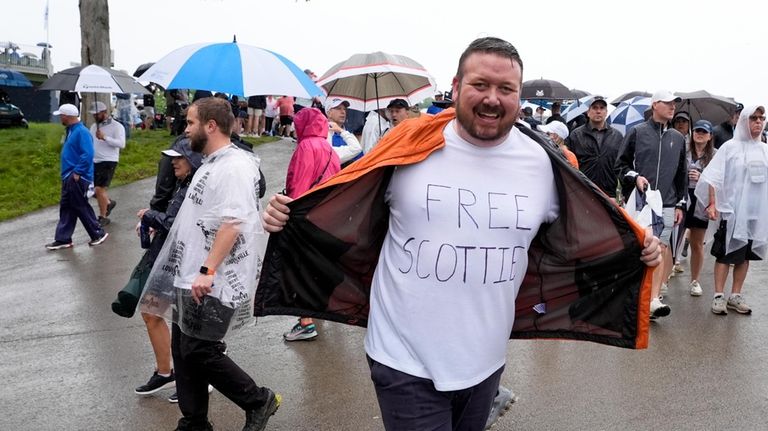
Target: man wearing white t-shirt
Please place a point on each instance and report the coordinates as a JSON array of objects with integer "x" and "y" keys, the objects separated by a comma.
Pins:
[
  {"x": 461, "y": 221},
  {"x": 108, "y": 139}
]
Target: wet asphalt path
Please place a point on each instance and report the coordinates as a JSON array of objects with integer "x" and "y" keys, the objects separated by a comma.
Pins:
[{"x": 69, "y": 363}]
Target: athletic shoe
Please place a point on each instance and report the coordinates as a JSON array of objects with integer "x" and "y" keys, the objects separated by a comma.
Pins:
[
  {"x": 57, "y": 245},
  {"x": 659, "y": 309},
  {"x": 110, "y": 206},
  {"x": 98, "y": 240},
  {"x": 501, "y": 403},
  {"x": 695, "y": 288},
  {"x": 299, "y": 332},
  {"x": 739, "y": 304},
  {"x": 156, "y": 383},
  {"x": 103, "y": 221},
  {"x": 718, "y": 305},
  {"x": 174, "y": 399},
  {"x": 678, "y": 268},
  {"x": 256, "y": 420}
]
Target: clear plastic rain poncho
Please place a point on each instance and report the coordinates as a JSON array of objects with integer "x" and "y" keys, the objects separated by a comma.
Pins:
[
  {"x": 225, "y": 189},
  {"x": 739, "y": 174}
]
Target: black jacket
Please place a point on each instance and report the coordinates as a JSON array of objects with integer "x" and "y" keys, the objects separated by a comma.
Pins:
[
  {"x": 597, "y": 161},
  {"x": 161, "y": 221},
  {"x": 722, "y": 133}
]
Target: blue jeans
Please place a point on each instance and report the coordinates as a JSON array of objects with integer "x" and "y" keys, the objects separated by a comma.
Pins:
[
  {"x": 410, "y": 403},
  {"x": 74, "y": 205}
]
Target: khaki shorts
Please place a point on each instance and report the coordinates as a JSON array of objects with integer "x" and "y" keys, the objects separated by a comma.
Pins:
[{"x": 255, "y": 112}]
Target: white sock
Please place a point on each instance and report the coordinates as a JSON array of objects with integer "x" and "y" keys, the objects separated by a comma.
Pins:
[
  {"x": 719, "y": 295},
  {"x": 164, "y": 375}
]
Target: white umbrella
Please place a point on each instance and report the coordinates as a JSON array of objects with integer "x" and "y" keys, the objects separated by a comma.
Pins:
[
  {"x": 93, "y": 79},
  {"x": 371, "y": 81},
  {"x": 231, "y": 68}
]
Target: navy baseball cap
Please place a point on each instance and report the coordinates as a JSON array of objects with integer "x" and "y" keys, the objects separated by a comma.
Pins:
[{"x": 703, "y": 125}]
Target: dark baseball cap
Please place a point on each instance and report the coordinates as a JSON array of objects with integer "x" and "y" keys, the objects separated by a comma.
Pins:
[{"x": 398, "y": 103}]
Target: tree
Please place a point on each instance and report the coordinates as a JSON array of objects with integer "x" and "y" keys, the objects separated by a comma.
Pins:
[{"x": 94, "y": 46}]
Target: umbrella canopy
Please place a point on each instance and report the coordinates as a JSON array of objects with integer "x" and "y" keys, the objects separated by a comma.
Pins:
[
  {"x": 704, "y": 105},
  {"x": 12, "y": 78},
  {"x": 93, "y": 79},
  {"x": 371, "y": 81},
  {"x": 629, "y": 114},
  {"x": 545, "y": 89},
  {"x": 577, "y": 108},
  {"x": 142, "y": 68},
  {"x": 231, "y": 68},
  {"x": 578, "y": 94},
  {"x": 626, "y": 96}
]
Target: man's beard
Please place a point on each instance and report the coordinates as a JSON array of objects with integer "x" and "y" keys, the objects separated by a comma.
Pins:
[{"x": 197, "y": 142}]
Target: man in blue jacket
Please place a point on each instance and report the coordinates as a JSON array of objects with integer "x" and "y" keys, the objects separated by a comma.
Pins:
[{"x": 76, "y": 182}]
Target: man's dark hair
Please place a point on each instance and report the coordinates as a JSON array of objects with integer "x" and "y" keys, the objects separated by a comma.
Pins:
[
  {"x": 490, "y": 45},
  {"x": 218, "y": 110}
]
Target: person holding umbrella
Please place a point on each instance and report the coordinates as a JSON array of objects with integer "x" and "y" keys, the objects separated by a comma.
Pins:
[
  {"x": 76, "y": 182},
  {"x": 108, "y": 138}
]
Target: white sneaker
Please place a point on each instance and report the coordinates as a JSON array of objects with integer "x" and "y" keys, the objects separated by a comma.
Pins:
[
  {"x": 678, "y": 268},
  {"x": 659, "y": 309},
  {"x": 696, "y": 288}
]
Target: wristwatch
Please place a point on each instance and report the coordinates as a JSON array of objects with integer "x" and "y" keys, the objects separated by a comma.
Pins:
[{"x": 207, "y": 271}]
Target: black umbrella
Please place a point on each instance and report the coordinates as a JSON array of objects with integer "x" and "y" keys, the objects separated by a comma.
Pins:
[
  {"x": 704, "y": 105},
  {"x": 143, "y": 68},
  {"x": 545, "y": 89},
  {"x": 93, "y": 79},
  {"x": 627, "y": 96},
  {"x": 578, "y": 94}
]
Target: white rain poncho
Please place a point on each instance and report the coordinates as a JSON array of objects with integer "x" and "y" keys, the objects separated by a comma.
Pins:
[
  {"x": 225, "y": 189},
  {"x": 739, "y": 174}
]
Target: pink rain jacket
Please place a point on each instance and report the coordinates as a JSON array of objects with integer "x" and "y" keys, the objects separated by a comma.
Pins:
[{"x": 314, "y": 159}]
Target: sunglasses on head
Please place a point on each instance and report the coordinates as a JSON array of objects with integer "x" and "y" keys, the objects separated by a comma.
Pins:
[{"x": 757, "y": 117}]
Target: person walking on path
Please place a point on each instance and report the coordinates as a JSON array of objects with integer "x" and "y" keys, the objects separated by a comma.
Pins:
[
  {"x": 108, "y": 139},
  {"x": 76, "y": 182},
  {"x": 700, "y": 152},
  {"x": 653, "y": 157},
  {"x": 205, "y": 275},
  {"x": 313, "y": 162},
  {"x": 732, "y": 188},
  {"x": 437, "y": 332},
  {"x": 596, "y": 146}
]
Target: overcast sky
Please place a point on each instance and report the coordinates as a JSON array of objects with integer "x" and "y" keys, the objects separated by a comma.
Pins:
[{"x": 603, "y": 47}]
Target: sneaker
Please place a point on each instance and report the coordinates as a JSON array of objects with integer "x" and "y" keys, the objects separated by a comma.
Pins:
[
  {"x": 156, "y": 383},
  {"x": 103, "y": 221},
  {"x": 696, "y": 288},
  {"x": 57, "y": 245},
  {"x": 718, "y": 305},
  {"x": 678, "y": 268},
  {"x": 256, "y": 420},
  {"x": 501, "y": 403},
  {"x": 299, "y": 332},
  {"x": 98, "y": 240},
  {"x": 110, "y": 206},
  {"x": 664, "y": 290},
  {"x": 739, "y": 304},
  {"x": 174, "y": 399},
  {"x": 659, "y": 309}
]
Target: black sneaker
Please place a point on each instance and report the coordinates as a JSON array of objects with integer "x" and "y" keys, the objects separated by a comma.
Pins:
[
  {"x": 156, "y": 383},
  {"x": 103, "y": 221},
  {"x": 57, "y": 245},
  {"x": 98, "y": 240},
  {"x": 256, "y": 420},
  {"x": 110, "y": 206}
]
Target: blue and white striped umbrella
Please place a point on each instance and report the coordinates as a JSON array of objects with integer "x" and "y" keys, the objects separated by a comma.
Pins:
[
  {"x": 231, "y": 68},
  {"x": 629, "y": 114},
  {"x": 577, "y": 108}
]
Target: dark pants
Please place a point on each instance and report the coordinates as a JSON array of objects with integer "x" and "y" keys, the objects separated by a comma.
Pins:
[
  {"x": 74, "y": 205},
  {"x": 200, "y": 362},
  {"x": 412, "y": 403}
]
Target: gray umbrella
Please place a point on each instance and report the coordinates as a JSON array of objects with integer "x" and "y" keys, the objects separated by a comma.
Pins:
[
  {"x": 626, "y": 96},
  {"x": 371, "y": 81},
  {"x": 545, "y": 89},
  {"x": 704, "y": 105},
  {"x": 93, "y": 79}
]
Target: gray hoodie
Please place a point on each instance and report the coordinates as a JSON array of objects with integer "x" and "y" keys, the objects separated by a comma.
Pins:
[{"x": 658, "y": 154}]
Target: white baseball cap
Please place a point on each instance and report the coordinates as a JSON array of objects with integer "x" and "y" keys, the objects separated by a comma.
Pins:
[
  {"x": 664, "y": 96},
  {"x": 556, "y": 127},
  {"x": 97, "y": 107},
  {"x": 67, "y": 109},
  {"x": 334, "y": 102}
]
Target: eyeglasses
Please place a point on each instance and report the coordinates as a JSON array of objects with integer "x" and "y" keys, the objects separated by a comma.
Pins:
[{"x": 757, "y": 118}]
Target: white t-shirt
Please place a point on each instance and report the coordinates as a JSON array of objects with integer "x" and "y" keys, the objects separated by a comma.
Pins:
[
  {"x": 455, "y": 254},
  {"x": 108, "y": 149}
]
